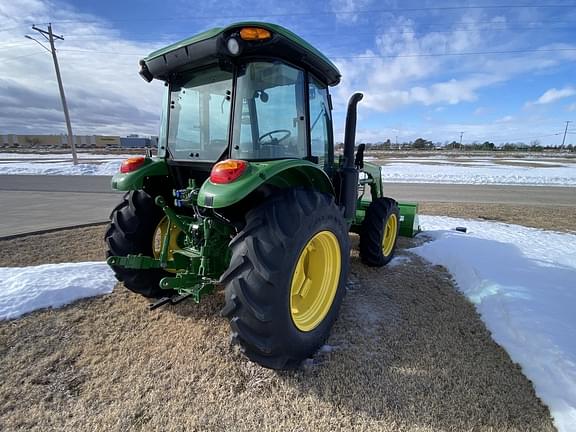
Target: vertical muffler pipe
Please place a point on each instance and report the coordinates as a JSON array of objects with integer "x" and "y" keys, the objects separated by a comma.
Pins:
[{"x": 348, "y": 172}]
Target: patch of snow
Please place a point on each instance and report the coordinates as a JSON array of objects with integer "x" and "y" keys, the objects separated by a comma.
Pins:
[
  {"x": 326, "y": 349},
  {"x": 60, "y": 164},
  {"x": 535, "y": 162},
  {"x": 398, "y": 172},
  {"x": 65, "y": 156},
  {"x": 438, "y": 161},
  {"x": 61, "y": 168},
  {"x": 398, "y": 260},
  {"x": 523, "y": 283},
  {"x": 25, "y": 289}
]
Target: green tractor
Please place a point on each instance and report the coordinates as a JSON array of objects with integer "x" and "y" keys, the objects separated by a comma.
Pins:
[{"x": 246, "y": 192}]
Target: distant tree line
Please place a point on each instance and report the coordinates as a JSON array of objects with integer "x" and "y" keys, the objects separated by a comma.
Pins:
[{"x": 423, "y": 144}]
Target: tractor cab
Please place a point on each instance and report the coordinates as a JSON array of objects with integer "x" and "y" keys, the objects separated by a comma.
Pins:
[
  {"x": 246, "y": 192},
  {"x": 252, "y": 91}
]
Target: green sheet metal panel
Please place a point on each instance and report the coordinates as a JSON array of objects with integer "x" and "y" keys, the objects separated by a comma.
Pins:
[{"x": 409, "y": 223}]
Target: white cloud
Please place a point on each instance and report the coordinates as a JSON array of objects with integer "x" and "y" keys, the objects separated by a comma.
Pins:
[
  {"x": 446, "y": 129},
  {"x": 403, "y": 67},
  {"x": 480, "y": 111},
  {"x": 396, "y": 78},
  {"x": 571, "y": 107},
  {"x": 553, "y": 95},
  {"x": 451, "y": 92},
  {"x": 346, "y": 10},
  {"x": 505, "y": 119},
  {"x": 104, "y": 92},
  {"x": 400, "y": 71}
]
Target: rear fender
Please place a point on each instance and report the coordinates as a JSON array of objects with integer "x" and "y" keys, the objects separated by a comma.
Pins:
[
  {"x": 135, "y": 180},
  {"x": 285, "y": 173}
]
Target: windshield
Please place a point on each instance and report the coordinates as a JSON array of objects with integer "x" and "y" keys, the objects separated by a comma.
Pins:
[
  {"x": 269, "y": 112},
  {"x": 200, "y": 115}
]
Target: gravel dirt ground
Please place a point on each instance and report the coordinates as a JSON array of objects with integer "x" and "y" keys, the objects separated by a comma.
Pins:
[{"x": 408, "y": 353}]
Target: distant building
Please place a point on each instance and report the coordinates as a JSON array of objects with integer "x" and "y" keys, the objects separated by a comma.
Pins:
[
  {"x": 135, "y": 141},
  {"x": 58, "y": 141},
  {"x": 102, "y": 141}
]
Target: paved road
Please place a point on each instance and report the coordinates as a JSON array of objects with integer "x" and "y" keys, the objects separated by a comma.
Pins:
[
  {"x": 55, "y": 183},
  {"x": 35, "y": 203},
  {"x": 521, "y": 195},
  {"x": 30, "y": 203}
]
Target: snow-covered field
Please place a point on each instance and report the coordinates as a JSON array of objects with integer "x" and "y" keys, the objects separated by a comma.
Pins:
[
  {"x": 437, "y": 169},
  {"x": 25, "y": 289},
  {"x": 480, "y": 171},
  {"x": 61, "y": 157},
  {"x": 61, "y": 168},
  {"x": 60, "y": 164},
  {"x": 523, "y": 283}
]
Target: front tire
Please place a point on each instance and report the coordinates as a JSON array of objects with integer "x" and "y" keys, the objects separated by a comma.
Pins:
[
  {"x": 286, "y": 278},
  {"x": 133, "y": 223},
  {"x": 379, "y": 232}
]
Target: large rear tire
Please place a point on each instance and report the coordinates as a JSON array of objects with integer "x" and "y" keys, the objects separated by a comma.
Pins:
[
  {"x": 379, "y": 232},
  {"x": 286, "y": 278},
  {"x": 133, "y": 223}
]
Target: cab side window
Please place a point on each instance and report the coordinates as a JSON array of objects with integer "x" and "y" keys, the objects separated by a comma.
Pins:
[
  {"x": 269, "y": 120},
  {"x": 319, "y": 121}
]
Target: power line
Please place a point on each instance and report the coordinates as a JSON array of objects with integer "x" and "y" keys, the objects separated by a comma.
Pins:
[
  {"x": 9, "y": 47},
  {"x": 372, "y": 56},
  {"x": 103, "y": 52},
  {"x": 460, "y": 26},
  {"x": 341, "y": 12},
  {"x": 374, "y": 32},
  {"x": 14, "y": 28},
  {"x": 408, "y": 29},
  {"x": 535, "y": 138},
  {"x": 454, "y": 54},
  {"x": 2, "y": 60}
]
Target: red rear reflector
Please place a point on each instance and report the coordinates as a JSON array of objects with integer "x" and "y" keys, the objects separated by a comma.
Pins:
[
  {"x": 227, "y": 171},
  {"x": 132, "y": 164}
]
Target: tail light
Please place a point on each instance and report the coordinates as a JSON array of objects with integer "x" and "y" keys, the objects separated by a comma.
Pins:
[
  {"x": 132, "y": 164},
  {"x": 227, "y": 171}
]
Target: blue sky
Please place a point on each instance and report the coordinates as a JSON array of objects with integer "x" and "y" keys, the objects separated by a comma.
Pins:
[{"x": 428, "y": 69}]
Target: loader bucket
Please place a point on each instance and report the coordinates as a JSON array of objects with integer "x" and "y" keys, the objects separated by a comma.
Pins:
[{"x": 409, "y": 224}]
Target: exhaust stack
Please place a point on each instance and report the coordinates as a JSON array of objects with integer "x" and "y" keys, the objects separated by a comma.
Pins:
[{"x": 348, "y": 172}]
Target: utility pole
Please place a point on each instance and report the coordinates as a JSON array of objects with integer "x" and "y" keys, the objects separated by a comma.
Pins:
[
  {"x": 49, "y": 36},
  {"x": 565, "y": 131},
  {"x": 461, "y": 134}
]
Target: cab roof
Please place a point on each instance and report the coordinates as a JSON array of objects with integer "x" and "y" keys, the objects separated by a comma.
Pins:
[{"x": 210, "y": 47}]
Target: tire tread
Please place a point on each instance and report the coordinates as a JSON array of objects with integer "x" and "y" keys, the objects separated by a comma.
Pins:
[
  {"x": 132, "y": 224},
  {"x": 255, "y": 265}
]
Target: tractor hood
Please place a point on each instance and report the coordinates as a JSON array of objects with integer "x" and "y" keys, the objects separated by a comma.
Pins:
[{"x": 212, "y": 47}]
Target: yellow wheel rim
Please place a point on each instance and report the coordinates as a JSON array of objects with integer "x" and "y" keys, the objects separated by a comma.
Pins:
[
  {"x": 158, "y": 239},
  {"x": 315, "y": 281},
  {"x": 390, "y": 233}
]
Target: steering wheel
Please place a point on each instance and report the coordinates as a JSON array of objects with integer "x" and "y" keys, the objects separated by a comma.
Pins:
[{"x": 286, "y": 135}]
